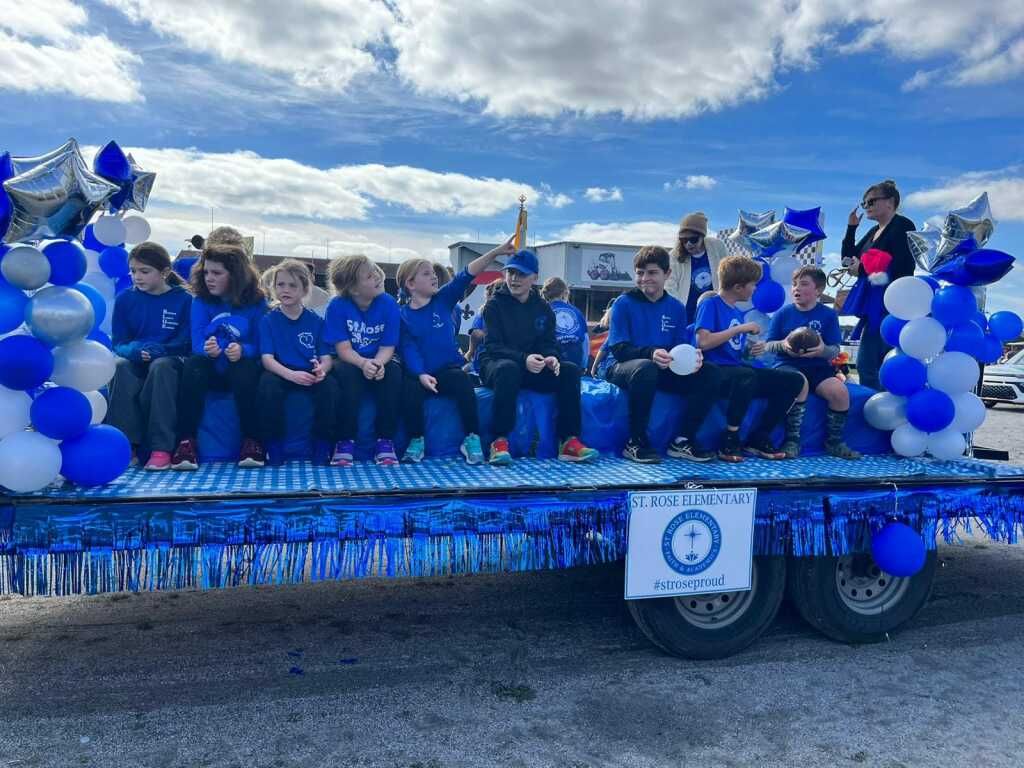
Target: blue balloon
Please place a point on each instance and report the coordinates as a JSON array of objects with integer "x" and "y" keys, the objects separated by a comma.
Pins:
[
  {"x": 123, "y": 283},
  {"x": 809, "y": 219},
  {"x": 930, "y": 410},
  {"x": 769, "y": 296},
  {"x": 25, "y": 362},
  {"x": 67, "y": 262},
  {"x": 12, "y": 307},
  {"x": 1005, "y": 326},
  {"x": 101, "y": 454},
  {"x": 954, "y": 305},
  {"x": 891, "y": 327},
  {"x": 99, "y": 304},
  {"x": 89, "y": 240},
  {"x": 6, "y": 167},
  {"x": 935, "y": 284},
  {"x": 981, "y": 320},
  {"x": 898, "y": 550},
  {"x": 111, "y": 163},
  {"x": 114, "y": 262},
  {"x": 990, "y": 351},
  {"x": 101, "y": 337},
  {"x": 981, "y": 267},
  {"x": 903, "y": 375},
  {"x": 61, "y": 413},
  {"x": 183, "y": 266},
  {"x": 967, "y": 337}
]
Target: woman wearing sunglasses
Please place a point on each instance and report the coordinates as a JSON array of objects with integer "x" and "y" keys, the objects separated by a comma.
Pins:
[
  {"x": 865, "y": 299},
  {"x": 694, "y": 262}
]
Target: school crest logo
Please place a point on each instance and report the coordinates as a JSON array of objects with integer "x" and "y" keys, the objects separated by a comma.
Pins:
[
  {"x": 691, "y": 542},
  {"x": 702, "y": 280},
  {"x": 306, "y": 340},
  {"x": 815, "y": 325},
  {"x": 566, "y": 323},
  {"x": 736, "y": 342}
]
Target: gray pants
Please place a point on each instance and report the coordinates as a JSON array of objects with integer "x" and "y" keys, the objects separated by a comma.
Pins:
[{"x": 144, "y": 402}]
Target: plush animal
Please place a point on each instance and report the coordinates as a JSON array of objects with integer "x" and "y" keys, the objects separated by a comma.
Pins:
[{"x": 876, "y": 263}]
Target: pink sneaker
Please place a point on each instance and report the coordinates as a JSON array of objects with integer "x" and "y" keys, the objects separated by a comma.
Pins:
[{"x": 158, "y": 461}]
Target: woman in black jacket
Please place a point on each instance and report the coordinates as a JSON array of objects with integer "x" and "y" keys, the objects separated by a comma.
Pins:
[{"x": 865, "y": 299}]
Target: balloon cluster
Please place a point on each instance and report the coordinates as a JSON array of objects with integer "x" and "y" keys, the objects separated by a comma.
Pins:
[{"x": 55, "y": 312}]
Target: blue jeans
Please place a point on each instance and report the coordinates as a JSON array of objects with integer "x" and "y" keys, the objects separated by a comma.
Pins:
[{"x": 870, "y": 354}]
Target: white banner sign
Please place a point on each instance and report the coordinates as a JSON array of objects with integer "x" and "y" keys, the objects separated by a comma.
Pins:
[{"x": 689, "y": 542}]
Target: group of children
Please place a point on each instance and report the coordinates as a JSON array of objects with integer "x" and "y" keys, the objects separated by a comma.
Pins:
[{"x": 227, "y": 334}]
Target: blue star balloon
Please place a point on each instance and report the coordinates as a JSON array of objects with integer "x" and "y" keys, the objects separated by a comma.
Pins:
[
  {"x": 112, "y": 164},
  {"x": 134, "y": 184},
  {"x": 813, "y": 220},
  {"x": 981, "y": 267}
]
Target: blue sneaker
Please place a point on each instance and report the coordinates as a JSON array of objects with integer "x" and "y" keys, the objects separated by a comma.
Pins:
[
  {"x": 414, "y": 453},
  {"x": 472, "y": 449},
  {"x": 344, "y": 453},
  {"x": 385, "y": 455}
]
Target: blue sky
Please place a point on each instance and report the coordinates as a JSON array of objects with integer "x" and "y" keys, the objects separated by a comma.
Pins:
[{"x": 395, "y": 129}]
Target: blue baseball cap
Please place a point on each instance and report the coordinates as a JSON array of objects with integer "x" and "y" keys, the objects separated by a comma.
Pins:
[{"x": 524, "y": 261}]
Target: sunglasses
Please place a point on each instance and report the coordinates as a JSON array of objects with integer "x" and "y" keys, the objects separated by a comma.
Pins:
[
  {"x": 692, "y": 239},
  {"x": 871, "y": 201}
]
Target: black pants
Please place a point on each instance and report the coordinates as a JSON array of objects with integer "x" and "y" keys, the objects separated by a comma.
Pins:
[
  {"x": 352, "y": 384},
  {"x": 272, "y": 392},
  {"x": 642, "y": 378},
  {"x": 201, "y": 375},
  {"x": 144, "y": 401},
  {"x": 452, "y": 382},
  {"x": 507, "y": 377},
  {"x": 742, "y": 384}
]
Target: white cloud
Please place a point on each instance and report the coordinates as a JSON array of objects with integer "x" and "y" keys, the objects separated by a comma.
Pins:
[
  {"x": 1005, "y": 193},
  {"x": 602, "y": 195},
  {"x": 43, "y": 48},
  {"x": 555, "y": 200},
  {"x": 699, "y": 181},
  {"x": 634, "y": 233}
]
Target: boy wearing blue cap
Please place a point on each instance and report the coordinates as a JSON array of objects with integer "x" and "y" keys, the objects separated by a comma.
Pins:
[{"x": 520, "y": 351}]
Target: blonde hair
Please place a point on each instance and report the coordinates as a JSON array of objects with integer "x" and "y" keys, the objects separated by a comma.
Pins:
[
  {"x": 225, "y": 236},
  {"x": 553, "y": 288},
  {"x": 294, "y": 268},
  {"x": 344, "y": 272},
  {"x": 410, "y": 267},
  {"x": 738, "y": 270}
]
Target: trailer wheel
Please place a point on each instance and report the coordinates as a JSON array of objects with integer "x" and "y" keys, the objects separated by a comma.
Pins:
[
  {"x": 850, "y": 599},
  {"x": 714, "y": 626}
]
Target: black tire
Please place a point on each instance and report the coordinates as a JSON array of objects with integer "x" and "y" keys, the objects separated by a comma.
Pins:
[
  {"x": 717, "y": 625},
  {"x": 990, "y": 403},
  {"x": 851, "y": 600}
]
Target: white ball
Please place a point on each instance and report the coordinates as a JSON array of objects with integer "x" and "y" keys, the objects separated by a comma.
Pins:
[
  {"x": 885, "y": 411},
  {"x": 953, "y": 373},
  {"x": 947, "y": 444},
  {"x": 99, "y": 406},
  {"x": 969, "y": 413},
  {"x": 782, "y": 269},
  {"x": 109, "y": 230},
  {"x": 923, "y": 337},
  {"x": 25, "y": 267},
  {"x": 14, "y": 411},
  {"x": 684, "y": 359},
  {"x": 908, "y": 440},
  {"x": 136, "y": 229},
  {"x": 83, "y": 365},
  {"x": 909, "y": 298},
  {"x": 28, "y": 461}
]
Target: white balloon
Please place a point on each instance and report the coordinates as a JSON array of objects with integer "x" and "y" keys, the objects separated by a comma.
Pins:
[
  {"x": 947, "y": 444},
  {"x": 782, "y": 269},
  {"x": 885, "y": 411},
  {"x": 14, "y": 411},
  {"x": 969, "y": 413},
  {"x": 909, "y": 298},
  {"x": 759, "y": 317},
  {"x": 28, "y": 461},
  {"x": 107, "y": 326},
  {"x": 83, "y": 365},
  {"x": 99, "y": 406},
  {"x": 136, "y": 229},
  {"x": 743, "y": 306},
  {"x": 908, "y": 440},
  {"x": 25, "y": 267},
  {"x": 103, "y": 284},
  {"x": 923, "y": 337},
  {"x": 891, "y": 353},
  {"x": 92, "y": 261},
  {"x": 953, "y": 373},
  {"x": 684, "y": 359},
  {"x": 109, "y": 230}
]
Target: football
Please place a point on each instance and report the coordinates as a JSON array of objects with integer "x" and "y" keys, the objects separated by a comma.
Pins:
[{"x": 803, "y": 339}]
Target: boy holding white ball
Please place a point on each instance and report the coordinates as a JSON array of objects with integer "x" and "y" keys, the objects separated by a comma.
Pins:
[{"x": 647, "y": 323}]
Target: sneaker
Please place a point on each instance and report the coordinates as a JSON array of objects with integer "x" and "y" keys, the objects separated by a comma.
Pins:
[
  {"x": 414, "y": 453},
  {"x": 185, "y": 459},
  {"x": 251, "y": 456},
  {"x": 158, "y": 461},
  {"x": 763, "y": 449},
  {"x": 730, "y": 448},
  {"x": 681, "y": 448},
  {"x": 640, "y": 452},
  {"x": 500, "y": 455},
  {"x": 385, "y": 455},
  {"x": 344, "y": 453},
  {"x": 574, "y": 450},
  {"x": 472, "y": 450}
]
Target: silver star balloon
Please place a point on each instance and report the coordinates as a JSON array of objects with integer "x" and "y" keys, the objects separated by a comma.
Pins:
[
  {"x": 972, "y": 220},
  {"x": 750, "y": 223},
  {"x": 141, "y": 186},
  {"x": 923, "y": 244},
  {"x": 54, "y": 194},
  {"x": 777, "y": 238}
]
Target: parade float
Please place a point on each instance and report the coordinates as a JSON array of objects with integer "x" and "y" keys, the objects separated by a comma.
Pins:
[{"x": 709, "y": 549}]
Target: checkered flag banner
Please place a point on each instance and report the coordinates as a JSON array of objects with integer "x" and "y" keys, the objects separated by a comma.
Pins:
[{"x": 807, "y": 255}]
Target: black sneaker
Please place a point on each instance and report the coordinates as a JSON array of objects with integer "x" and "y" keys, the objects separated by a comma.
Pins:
[
  {"x": 730, "y": 449},
  {"x": 763, "y": 449},
  {"x": 640, "y": 452},
  {"x": 681, "y": 448}
]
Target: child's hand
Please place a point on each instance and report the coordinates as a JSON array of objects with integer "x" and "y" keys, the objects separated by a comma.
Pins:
[
  {"x": 752, "y": 328},
  {"x": 428, "y": 382},
  {"x": 700, "y": 360},
  {"x": 553, "y": 363},
  {"x": 661, "y": 358},
  {"x": 381, "y": 370},
  {"x": 233, "y": 351},
  {"x": 319, "y": 374},
  {"x": 369, "y": 368},
  {"x": 211, "y": 347},
  {"x": 786, "y": 349},
  {"x": 302, "y": 378},
  {"x": 146, "y": 357},
  {"x": 505, "y": 249},
  {"x": 535, "y": 363},
  {"x": 757, "y": 348}
]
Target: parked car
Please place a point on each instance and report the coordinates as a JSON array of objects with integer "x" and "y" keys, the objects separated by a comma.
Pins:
[{"x": 1004, "y": 383}]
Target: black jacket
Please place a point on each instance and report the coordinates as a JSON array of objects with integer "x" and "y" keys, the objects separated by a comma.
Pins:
[
  {"x": 893, "y": 241},
  {"x": 516, "y": 329}
]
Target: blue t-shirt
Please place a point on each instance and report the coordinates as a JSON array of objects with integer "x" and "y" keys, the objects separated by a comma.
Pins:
[
  {"x": 818, "y": 318},
  {"x": 155, "y": 324},
  {"x": 700, "y": 281},
  {"x": 205, "y": 315},
  {"x": 428, "y": 341},
  {"x": 366, "y": 331},
  {"x": 571, "y": 332},
  {"x": 293, "y": 343},
  {"x": 715, "y": 315}
]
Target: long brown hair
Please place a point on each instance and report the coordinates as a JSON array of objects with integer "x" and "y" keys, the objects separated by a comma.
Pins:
[
  {"x": 244, "y": 284},
  {"x": 156, "y": 256},
  {"x": 885, "y": 188}
]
